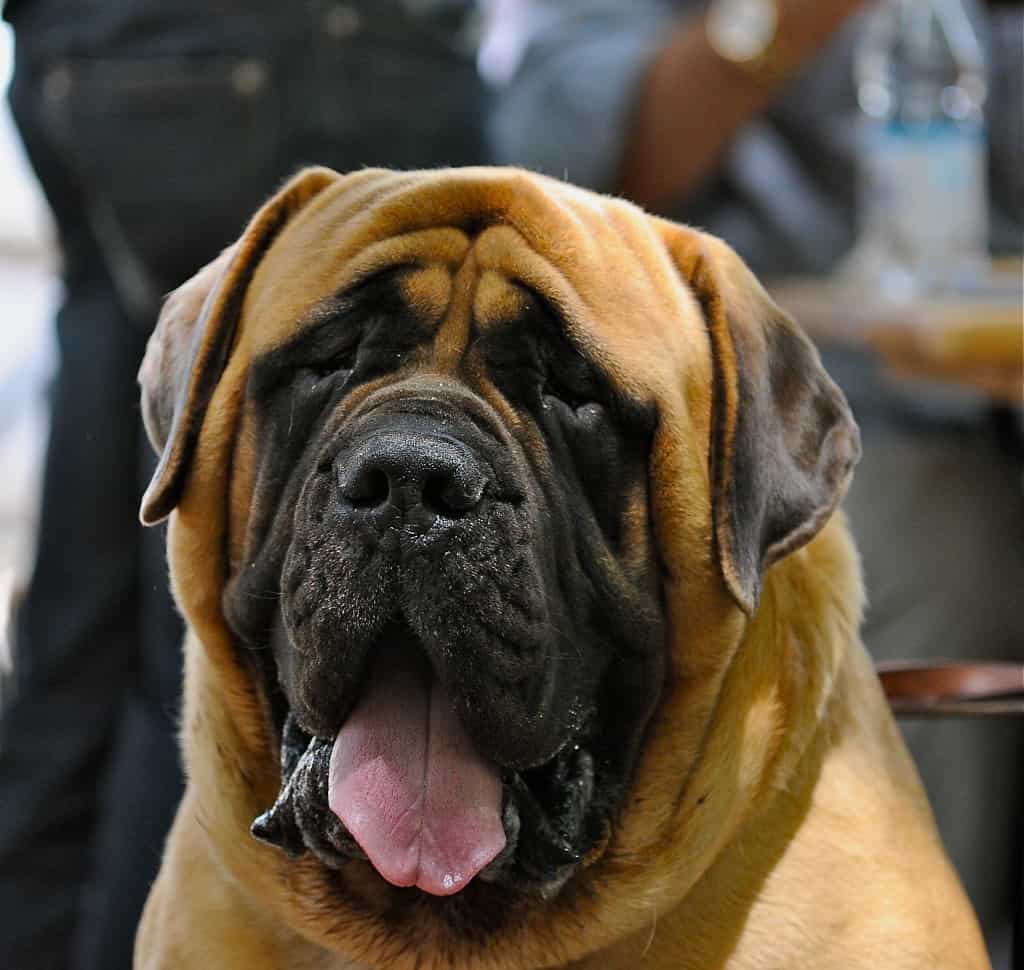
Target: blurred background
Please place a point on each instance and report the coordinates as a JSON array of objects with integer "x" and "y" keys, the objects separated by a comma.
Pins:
[
  {"x": 866, "y": 158},
  {"x": 29, "y": 290}
]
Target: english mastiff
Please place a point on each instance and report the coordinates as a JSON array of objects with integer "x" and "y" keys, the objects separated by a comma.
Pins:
[{"x": 523, "y": 629}]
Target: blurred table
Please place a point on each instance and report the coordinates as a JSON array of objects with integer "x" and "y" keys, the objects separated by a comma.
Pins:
[{"x": 972, "y": 341}]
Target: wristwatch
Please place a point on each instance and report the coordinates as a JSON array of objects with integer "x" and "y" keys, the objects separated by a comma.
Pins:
[{"x": 745, "y": 33}]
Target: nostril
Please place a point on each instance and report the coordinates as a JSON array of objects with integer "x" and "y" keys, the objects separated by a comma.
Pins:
[
  {"x": 369, "y": 489},
  {"x": 451, "y": 496},
  {"x": 419, "y": 477}
]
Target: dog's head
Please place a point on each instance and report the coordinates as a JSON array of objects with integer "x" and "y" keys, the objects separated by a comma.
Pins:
[{"x": 477, "y": 477}]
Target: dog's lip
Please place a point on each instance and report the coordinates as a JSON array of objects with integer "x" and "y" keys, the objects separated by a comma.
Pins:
[
  {"x": 548, "y": 803},
  {"x": 523, "y": 802},
  {"x": 398, "y": 632}
]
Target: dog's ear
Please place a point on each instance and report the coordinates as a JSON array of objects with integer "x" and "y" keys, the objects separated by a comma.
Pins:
[
  {"x": 783, "y": 441},
  {"x": 189, "y": 348}
]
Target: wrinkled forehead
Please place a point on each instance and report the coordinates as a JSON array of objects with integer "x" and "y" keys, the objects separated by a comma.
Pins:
[{"x": 481, "y": 242}]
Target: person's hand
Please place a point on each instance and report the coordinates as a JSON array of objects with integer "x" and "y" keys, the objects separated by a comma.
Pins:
[{"x": 677, "y": 135}]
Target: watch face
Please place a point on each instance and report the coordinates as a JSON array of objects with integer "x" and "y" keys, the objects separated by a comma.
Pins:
[{"x": 741, "y": 30}]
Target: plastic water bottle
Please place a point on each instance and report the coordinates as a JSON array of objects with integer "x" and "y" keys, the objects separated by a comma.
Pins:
[{"x": 920, "y": 76}]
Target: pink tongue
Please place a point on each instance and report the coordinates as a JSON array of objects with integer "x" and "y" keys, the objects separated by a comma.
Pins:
[{"x": 408, "y": 785}]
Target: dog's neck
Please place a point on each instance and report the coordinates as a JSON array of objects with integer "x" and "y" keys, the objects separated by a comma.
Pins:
[
  {"x": 769, "y": 736},
  {"x": 816, "y": 752}
]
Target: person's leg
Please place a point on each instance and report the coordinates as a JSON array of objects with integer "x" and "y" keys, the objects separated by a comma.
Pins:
[
  {"x": 145, "y": 783},
  {"x": 76, "y": 634},
  {"x": 88, "y": 768}
]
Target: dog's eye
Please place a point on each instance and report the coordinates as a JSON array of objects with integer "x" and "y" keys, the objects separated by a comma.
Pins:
[
  {"x": 561, "y": 395},
  {"x": 577, "y": 395},
  {"x": 338, "y": 364},
  {"x": 583, "y": 413}
]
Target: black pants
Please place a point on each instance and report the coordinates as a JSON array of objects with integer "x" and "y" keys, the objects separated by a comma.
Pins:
[
  {"x": 156, "y": 129},
  {"x": 89, "y": 769},
  {"x": 89, "y": 774}
]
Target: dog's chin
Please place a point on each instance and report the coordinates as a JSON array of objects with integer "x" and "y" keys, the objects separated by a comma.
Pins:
[{"x": 528, "y": 830}]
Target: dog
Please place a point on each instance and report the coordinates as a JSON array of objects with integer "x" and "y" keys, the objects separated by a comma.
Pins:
[{"x": 522, "y": 623}]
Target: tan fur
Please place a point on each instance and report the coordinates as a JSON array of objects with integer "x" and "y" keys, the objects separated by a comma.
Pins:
[{"x": 775, "y": 819}]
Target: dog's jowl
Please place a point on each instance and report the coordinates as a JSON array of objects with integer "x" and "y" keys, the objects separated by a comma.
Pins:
[{"x": 522, "y": 623}]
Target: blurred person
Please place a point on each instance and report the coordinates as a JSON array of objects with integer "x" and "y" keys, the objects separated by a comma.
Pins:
[
  {"x": 647, "y": 99},
  {"x": 155, "y": 130}
]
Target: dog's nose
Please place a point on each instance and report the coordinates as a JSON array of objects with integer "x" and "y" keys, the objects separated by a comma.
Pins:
[{"x": 412, "y": 474}]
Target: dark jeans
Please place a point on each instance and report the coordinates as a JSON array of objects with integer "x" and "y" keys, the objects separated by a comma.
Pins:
[
  {"x": 156, "y": 129},
  {"x": 89, "y": 772}
]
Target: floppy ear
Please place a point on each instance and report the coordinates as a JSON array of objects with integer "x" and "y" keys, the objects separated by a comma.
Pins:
[
  {"x": 189, "y": 348},
  {"x": 783, "y": 440}
]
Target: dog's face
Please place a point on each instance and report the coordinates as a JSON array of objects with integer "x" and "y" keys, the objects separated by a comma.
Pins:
[
  {"x": 454, "y": 474},
  {"x": 470, "y": 535}
]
